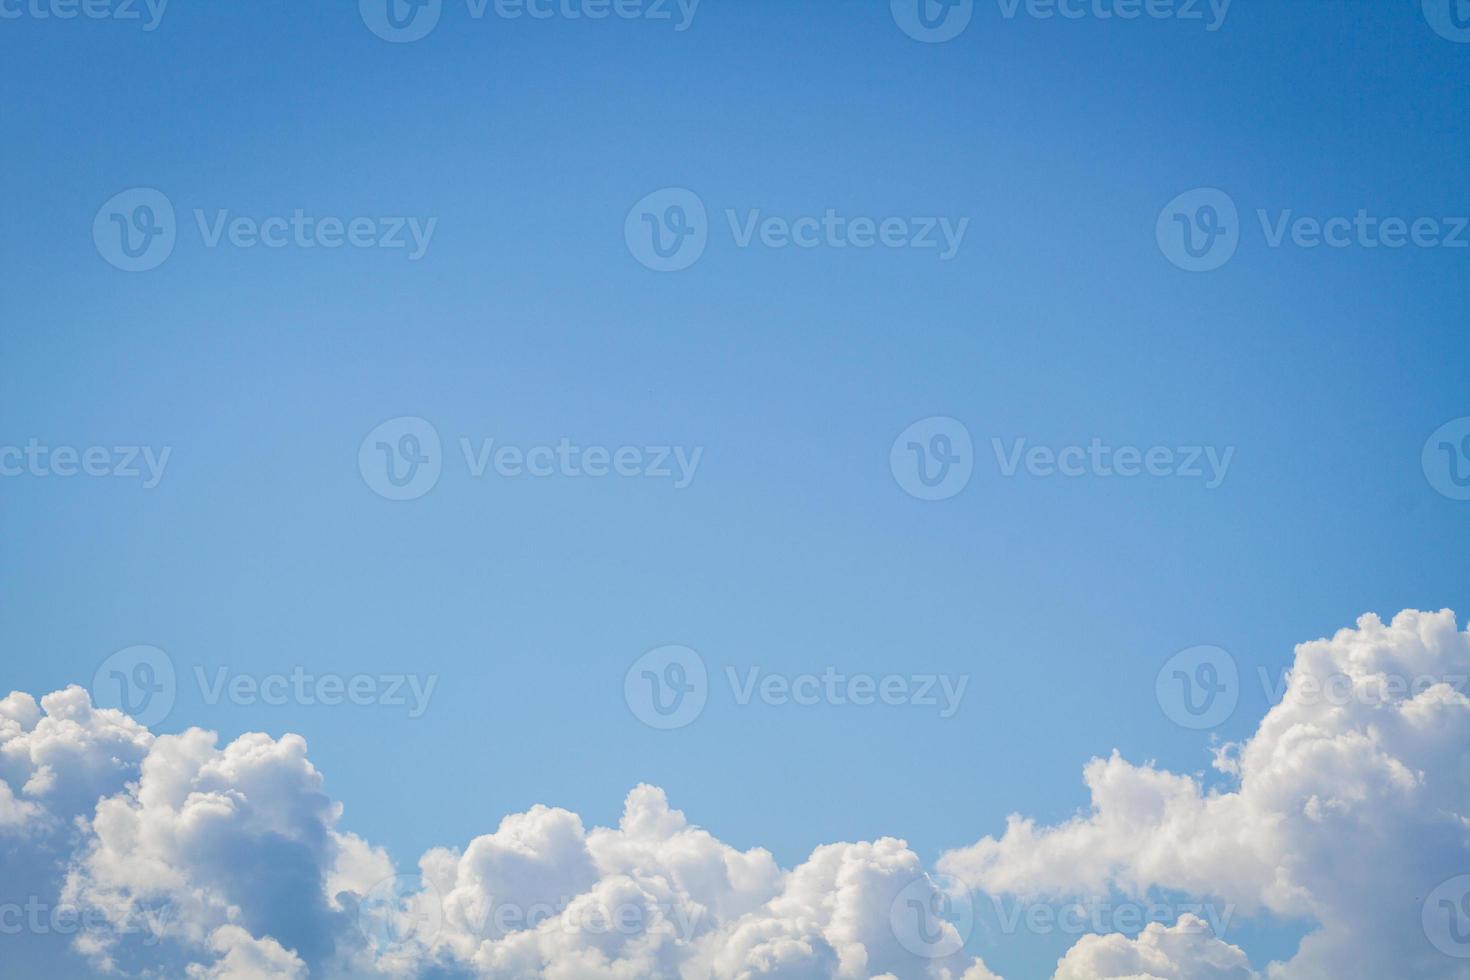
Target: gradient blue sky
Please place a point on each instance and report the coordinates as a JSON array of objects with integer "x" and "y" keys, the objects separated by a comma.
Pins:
[{"x": 528, "y": 321}]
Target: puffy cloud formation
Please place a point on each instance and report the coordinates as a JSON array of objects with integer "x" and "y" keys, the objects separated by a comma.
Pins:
[
  {"x": 1187, "y": 951},
  {"x": 1346, "y": 808},
  {"x": 174, "y": 856}
]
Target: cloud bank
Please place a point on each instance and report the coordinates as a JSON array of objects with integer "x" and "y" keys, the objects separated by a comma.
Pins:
[{"x": 175, "y": 856}]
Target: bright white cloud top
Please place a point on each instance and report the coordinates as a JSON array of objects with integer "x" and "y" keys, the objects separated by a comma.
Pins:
[{"x": 175, "y": 856}]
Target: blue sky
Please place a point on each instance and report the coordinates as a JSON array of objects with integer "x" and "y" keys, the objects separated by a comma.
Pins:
[{"x": 528, "y": 321}]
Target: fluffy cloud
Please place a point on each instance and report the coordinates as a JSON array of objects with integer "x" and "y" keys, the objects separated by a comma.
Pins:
[
  {"x": 185, "y": 857},
  {"x": 1347, "y": 806},
  {"x": 1187, "y": 951}
]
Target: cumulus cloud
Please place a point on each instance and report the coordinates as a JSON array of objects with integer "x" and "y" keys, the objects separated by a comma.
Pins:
[
  {"x": 181, "y": 856},
  {"x": 1186, "y": 951},
  {"x": 1346, "y": 807}
]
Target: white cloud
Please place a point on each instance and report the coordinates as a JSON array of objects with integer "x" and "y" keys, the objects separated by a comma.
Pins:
[
  {"x": 228, "y": 862},
  {"x": 1186, "y": 951},
  {"x": 1344, "y": 811}
]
